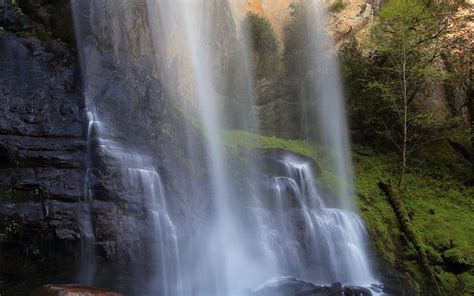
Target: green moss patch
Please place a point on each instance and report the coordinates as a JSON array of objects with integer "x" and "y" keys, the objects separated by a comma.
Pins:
[
  {"x": 441, "y": 211},
  {"x": 328, "y": 181}
]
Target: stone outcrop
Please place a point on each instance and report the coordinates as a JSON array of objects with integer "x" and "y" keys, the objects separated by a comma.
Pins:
[{"x": 353, "y": 18}]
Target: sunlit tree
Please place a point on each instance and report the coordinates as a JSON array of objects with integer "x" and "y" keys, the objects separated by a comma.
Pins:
[{"x": 408, "y": 38}]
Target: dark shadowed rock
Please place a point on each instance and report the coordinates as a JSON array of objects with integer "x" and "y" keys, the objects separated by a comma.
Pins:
[{"x": 42, "y": 148}]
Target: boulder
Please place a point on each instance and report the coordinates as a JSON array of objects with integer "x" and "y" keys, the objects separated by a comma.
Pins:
[{"x": 295, "y": 287}]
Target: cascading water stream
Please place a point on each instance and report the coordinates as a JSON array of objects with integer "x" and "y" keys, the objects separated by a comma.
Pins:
[
  {"x": 227, "y": 254},
  {"x": 133, "y": 173},
  {"x": 329, "y": 112},
  {"x": 131, "y": 176},
  {"x": 331, "y": 243},
  {"x": 88, "y": 264},
  {"x": 146, "y": 181}
]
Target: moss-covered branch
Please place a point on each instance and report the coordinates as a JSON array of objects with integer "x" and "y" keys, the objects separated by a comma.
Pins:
[{"x": 406, "y": 227}]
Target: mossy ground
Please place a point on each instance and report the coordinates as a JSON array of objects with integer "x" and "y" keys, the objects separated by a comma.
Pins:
[{"x": 440, "y": 207}]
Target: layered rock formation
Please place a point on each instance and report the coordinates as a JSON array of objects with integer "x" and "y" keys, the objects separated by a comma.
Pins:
[
  {"x": 41, "y": 130},
  {"x": 42, "y": 143}
]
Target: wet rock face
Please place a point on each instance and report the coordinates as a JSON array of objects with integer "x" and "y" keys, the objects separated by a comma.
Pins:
[
  {"x": 51, "y": 17},
  {"x": 41, "y": 134},
  {"x": 42, "y": 148},
  {"x": 43, "y": 145},
  {"x": 294, "y": 287}
]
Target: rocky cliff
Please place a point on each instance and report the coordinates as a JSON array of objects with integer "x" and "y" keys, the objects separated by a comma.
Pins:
[
  {"x": 41, "y": 127},
  {"x": 42, "y": 144},
  {"x": 42, "y": 147},
  {"x": 345, "y": 16}
]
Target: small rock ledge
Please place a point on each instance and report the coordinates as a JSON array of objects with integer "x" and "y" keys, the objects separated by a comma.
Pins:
[{"x": 72, "y": 290}]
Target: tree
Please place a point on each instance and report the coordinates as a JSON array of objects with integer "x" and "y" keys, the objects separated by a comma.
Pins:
[
  {"x": 408, "y": 40},
  {"x": 264, "y": 44},
  {"x": 357, "y": 70},
  {"x": 299, "y": 71}
]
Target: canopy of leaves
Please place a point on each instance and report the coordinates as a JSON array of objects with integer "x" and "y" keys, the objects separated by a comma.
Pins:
[{"x": 405, "y": 45}]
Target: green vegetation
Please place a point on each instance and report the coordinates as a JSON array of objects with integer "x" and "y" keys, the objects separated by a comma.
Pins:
[
  {"x": 337, "y": 6},
  {"x": 243, "y": 141},
  {"x": 440, "y": 212},
  {"x": 406, "y": 43},
  {"x": 422, "y": 227},
  {"x": 19, "y": 12}
]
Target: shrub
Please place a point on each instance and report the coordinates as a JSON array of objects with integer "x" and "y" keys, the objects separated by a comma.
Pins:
[{"x": 337, "y": 6}]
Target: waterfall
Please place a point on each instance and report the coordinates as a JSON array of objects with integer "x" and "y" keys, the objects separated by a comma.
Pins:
[
  {"x": 134, "y": 175},
  {"x": 313, "y": 241},
  {"x": 123, "y": 174},
  {"x": 329, "y": 112},
  {"x": 277, "y": 223},
  {"x": 226, "y": 258},
  {"x": 88, "y": 264}
]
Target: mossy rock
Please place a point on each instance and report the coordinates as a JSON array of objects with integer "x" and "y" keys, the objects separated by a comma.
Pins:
[{"x": 465, "y": 283}]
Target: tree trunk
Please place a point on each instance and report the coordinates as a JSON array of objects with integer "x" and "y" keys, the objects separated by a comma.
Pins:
[
  {"x": 470, "y": 102},
  {"x": 470, "y": 98},
  {"x": 407, "y": 228},
  {"x": 405, "y": 117}
]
